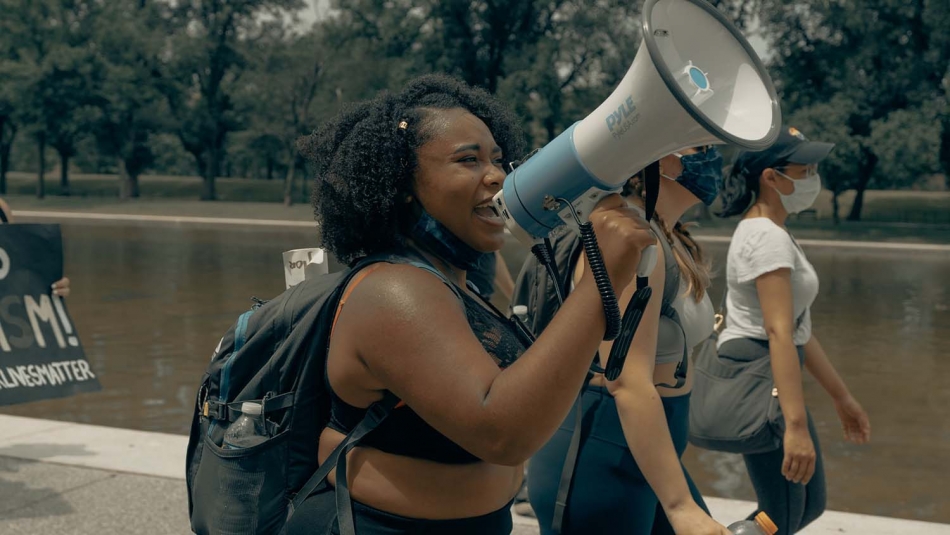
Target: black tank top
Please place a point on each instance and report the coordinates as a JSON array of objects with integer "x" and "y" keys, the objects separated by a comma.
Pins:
[{"x": 404, "y": 432}]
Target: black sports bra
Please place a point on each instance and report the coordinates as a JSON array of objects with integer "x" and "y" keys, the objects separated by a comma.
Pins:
[{"x": 404, "y": 432}]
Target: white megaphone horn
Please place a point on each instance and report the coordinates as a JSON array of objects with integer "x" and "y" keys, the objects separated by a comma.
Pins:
[{"x": 698, "y": 82}]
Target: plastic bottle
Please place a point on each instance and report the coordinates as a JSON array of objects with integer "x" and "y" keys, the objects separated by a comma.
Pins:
[
  {"x": 248, "y": 430},
  {"x": 761, "y": 525}
]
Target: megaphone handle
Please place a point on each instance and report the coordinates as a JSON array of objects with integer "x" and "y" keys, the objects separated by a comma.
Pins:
[
  {"x": 599, "y": 270},
  {"x": 631, "y": 321}
]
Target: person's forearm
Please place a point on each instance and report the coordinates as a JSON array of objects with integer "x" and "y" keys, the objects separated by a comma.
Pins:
[
  {"x": 818, "y": 365},
  {"x": 787, "y": 374},
  {"x": 648, "y": 436}
]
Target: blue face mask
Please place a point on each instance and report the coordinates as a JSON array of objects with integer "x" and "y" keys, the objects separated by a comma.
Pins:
[
  {"x": 702, "y": 174},
  {"x": 439, "y": 240}
]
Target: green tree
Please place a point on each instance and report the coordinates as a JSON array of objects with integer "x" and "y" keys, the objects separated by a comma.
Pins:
[
  {"x": 829, "y": 121},
  {"x": 876, "y": 56},
  {"x": 585, "y": 51},
  {"x": 27, "y": 38},
  {"x": 49, "y": 71},
  {"x": 742, "y": 13},
  {"x": 476, "y": 39},
  {"x": 377, "y": 45},
  {"x": 131, "y": 108},
  {"x": 67, "y": 102},
  {"x": 279, "y": 94},
  {"x": 208, "y": 57},
  {"x": 8, "y": 128}
]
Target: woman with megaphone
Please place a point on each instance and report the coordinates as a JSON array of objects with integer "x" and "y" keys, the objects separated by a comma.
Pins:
[
  {"x": 412, "y": 174},
  {"x": 620, "y": 471}
]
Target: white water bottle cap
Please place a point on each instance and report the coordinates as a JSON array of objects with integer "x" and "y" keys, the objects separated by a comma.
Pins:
[
  {"x": 520, "y": 310},
  {"x": 250, "y": 407}
]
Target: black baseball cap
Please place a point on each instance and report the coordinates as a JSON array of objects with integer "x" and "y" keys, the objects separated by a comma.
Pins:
[{"x": 791, "y": 147}]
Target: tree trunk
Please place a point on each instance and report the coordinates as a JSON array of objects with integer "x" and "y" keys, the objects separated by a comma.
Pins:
[
  {"x": 945, "y": 148},
  {"x": 835, "y": 206},
  {"x": 855, "y": 214},
  {"x": 865, "y": 170},
  {"x": 41, "y": 179},
  {"x": 5, "y": 163},
  {"x": 64, "y": 174},
  {"x": 270, "y": 168},
  {"x": 289, "y": 183},
  {"x": 210, "y": 171},
  {"x": 6, "y": 143},
  {"x": 125, "y": 184}
]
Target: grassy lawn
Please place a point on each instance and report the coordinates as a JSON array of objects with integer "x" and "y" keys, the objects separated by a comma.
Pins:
[
  {"x": 160, "y": 187},
  {"x": 884, "y": 207}
]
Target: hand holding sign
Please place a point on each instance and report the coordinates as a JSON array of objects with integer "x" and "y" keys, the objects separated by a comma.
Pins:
[
  {"x": 40, "y": 353},
  {"x": 61, "y": 287}
]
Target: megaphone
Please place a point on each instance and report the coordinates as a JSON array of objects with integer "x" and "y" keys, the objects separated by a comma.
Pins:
[{"x": 698, "y": 82}]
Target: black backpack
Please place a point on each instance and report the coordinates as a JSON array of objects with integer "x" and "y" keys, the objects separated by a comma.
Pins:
[{"x": 274, "y": 354}]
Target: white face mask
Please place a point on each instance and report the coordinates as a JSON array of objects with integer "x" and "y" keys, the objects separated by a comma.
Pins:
[{"x": 804, "y": 195}]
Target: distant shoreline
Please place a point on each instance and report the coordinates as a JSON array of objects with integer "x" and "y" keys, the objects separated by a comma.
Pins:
[{"x": 215, "y": 221}]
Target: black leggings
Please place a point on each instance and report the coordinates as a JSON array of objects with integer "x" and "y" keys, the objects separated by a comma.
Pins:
[
  {"x": 317, "y": 516},
  {"x": 608, "y": 493},
  {"x": 792, "y": 506}
]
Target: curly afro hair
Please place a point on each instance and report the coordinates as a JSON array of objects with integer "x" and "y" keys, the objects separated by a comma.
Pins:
[{"x": 364, "y": 163}]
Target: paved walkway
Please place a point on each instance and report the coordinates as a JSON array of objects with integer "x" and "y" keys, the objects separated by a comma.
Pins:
[{"x": 74, "y": 479}]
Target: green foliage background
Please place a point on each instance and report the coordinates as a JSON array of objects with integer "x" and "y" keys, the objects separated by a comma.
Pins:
[{"x": 223, "y": 87}]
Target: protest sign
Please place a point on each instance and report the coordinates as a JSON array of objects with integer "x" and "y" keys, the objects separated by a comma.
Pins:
[{"x": 40, "y": 353}]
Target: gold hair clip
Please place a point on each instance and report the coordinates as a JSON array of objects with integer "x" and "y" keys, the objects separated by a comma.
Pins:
[{"x": 403, "y": 125}]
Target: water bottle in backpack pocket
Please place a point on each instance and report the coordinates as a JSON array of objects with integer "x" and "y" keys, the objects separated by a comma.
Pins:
[
  {"x": 240, "y": 477},
  {"x": 248, "y": 430}
]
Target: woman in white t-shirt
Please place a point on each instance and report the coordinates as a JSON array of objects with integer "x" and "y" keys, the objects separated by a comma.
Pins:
[{"x": 771, "y": 286}]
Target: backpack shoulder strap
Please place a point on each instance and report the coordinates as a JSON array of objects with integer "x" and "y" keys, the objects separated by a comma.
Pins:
[
  {"x": 375, "y": 415},
  {"x": 350, "y": 286}
]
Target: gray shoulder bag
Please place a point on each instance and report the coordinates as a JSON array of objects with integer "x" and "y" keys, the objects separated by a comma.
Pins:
[{"x": 734, "y": 404}]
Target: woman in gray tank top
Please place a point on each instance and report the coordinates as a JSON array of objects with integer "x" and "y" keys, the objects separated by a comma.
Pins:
[{"x": 628, "y": 477}]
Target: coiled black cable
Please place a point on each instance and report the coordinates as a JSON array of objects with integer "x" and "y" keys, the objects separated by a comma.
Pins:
[
  {"x": 544, "y": 252},
  {"x": 597, "y": 268}
]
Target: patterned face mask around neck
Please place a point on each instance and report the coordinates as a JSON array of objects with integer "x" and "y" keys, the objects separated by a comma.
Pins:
[{"x": 439, "y": 240}]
